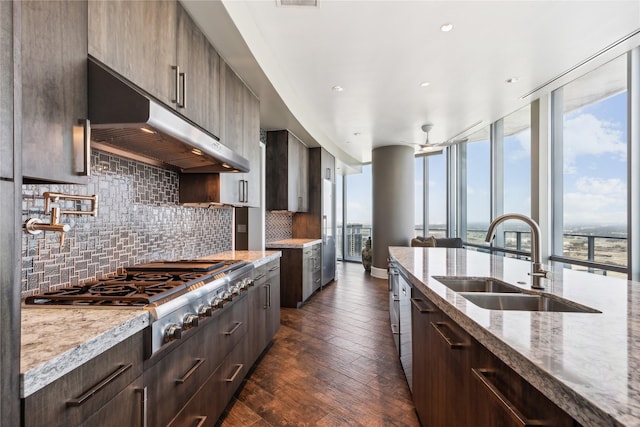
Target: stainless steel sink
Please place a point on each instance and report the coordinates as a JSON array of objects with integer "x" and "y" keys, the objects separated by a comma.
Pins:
[
  {"x": 525, "y": 302},
  {"x": 476, "y": 284}
]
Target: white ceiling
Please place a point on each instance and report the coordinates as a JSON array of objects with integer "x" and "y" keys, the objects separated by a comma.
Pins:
[{"x": 380, "y": 52}]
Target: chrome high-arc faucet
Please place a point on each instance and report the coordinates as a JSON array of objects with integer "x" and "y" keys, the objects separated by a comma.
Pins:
[{"x": 537, "y": 272}]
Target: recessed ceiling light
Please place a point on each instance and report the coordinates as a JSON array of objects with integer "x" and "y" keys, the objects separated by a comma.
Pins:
[
  {"x": 357, "y": 134},
  {"x": 512, "y": 80},
  {"x": 445, "y": 28},
  {"x": 337, "y": 88},
  {"x": 424, "y": 84}
]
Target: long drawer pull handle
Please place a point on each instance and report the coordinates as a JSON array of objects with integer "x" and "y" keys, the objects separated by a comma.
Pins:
[
  {"x": 143, "y": 410},
  {"x": 259, "y": 277},
  {"x": 422, "y": 306},
  {"x": 201, "y": 421},
  {"x": 235, "y": 374},
  {"x": 438, "y": 326},
  {"x": 483, "y": 375},
  {"x": 235, "y": 328},
  {"x": 267, "y": 287},
  {"x": 102, "y": 384},
  {"x": 275, "y": 267},
  {"x": 190, "y": 372}
]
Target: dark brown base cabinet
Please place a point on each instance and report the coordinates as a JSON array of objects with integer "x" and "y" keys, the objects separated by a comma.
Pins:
[
  {"x": 458, "y": 382},
  {"x": 106, "y": 391},
  {"x": 301, "y": 274}
]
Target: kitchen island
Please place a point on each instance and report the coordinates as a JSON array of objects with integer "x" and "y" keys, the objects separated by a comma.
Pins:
[{"x": 585, "y": 363}]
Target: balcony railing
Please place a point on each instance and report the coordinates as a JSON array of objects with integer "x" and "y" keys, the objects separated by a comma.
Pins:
[{"x": 595, "y": 253}]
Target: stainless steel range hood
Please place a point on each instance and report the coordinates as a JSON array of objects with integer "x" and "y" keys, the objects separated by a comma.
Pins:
[{"x": 128, "y": 122}]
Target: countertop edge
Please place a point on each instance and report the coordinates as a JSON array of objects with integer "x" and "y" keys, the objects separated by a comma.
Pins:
[
  {"x": 555, "y": 390},
  {"x": 291, "y": 244},
  {"x": 44, "y": 374}
]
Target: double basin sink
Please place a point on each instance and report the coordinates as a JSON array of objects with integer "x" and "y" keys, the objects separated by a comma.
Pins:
[{"x": 493, "y": 294}]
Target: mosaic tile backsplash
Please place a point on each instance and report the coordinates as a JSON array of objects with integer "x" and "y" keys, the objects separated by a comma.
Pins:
[
  {"x": 277, "y": 226},
  {"x": 139, "y": 220}
]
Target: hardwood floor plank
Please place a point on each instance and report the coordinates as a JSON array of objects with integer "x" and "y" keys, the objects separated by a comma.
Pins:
[{"x": 332, "y": 363}]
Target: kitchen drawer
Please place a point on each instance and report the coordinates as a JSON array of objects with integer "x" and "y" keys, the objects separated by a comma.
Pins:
[
  {"x": 72, "y": 399},
  {"x": 206, "y": 406},
  {"x": 175, "y": 378},
  {"x": 228, "y": 329},
  {"x": 128, "y": 408}
]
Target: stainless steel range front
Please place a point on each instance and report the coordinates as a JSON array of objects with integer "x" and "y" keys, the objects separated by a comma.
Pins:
[{"x": 176, "y": 293}]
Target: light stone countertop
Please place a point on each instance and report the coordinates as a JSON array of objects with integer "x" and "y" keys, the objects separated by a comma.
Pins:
[
  {"x": 292, "y": 243},
  {"x": 586, "y": 363},
  {"x": 54, "y": 341}
]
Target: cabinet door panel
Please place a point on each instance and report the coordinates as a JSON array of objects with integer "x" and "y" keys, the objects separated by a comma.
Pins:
[
  {"x": 54, "y": 89},
  {"x": 6, "y": 89},
  {"x": 138, "y": 40},
  {"x": 201, "y": 65},
  {"x": 251, "y": 147}
]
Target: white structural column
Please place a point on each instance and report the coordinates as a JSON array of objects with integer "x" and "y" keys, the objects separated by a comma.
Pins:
[
  {"x": 393, "y": 182},
  {"x": 541, "y": 172}
]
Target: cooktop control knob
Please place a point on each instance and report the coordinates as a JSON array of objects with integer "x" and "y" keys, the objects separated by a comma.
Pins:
[
  {"x": 204, "y": 311},
  {"x": 235, "y": 290},
  {"x": 190, "y": 321},
  {"x": 172, "y": 332},
  {"x": 245, "y": 283},
  {"x": 217, "y": 302},
  {"x": 226, "y": 295}
]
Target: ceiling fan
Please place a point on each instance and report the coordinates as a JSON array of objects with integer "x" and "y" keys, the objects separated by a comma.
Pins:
[{"x": 436, "y": 146}]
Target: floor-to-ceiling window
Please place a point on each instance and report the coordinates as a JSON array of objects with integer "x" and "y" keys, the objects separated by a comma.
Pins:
[
  {"x": 419, "y": 197},
  {"x": 590, "y": 171},
  {"x": 477, "y": 187},
  {"x": 357, "y": 213},
  {"x": 437, "y": 195}
]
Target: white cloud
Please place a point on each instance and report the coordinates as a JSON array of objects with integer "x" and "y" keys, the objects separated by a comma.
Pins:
[
  {"x": 585, "y": 134},
  {"x": 596, "y": 202},
  {"x": 523, "y": 150}
]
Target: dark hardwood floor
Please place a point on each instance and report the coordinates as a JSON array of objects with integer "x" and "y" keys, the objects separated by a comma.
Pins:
[{"x": 333, "y": 363}]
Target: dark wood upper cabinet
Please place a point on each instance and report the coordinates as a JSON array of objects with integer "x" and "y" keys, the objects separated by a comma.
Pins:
[
  {"x": 287, "y": 171},
  {"x": 157, "y": 46},
  {"x": 241, "y": 133},
  {"x": 200, "y": 80},
  {"x": 54, "y": 91},
  {"x": 137, "y": 39}
]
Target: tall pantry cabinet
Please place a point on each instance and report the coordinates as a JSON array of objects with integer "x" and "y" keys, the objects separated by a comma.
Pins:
[{"x": 10, "y": 194}]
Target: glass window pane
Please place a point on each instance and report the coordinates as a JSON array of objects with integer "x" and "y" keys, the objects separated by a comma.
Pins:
[
  {"x": 478, "y": 187},
  {"x": 594, "y": 144},
  {"x": 517, "y": 177},
  {"x": 339, "y": 216},
  {"x": 437, "y": 195},
  {"x": 419, "y": 196},
  {"x": 358, "y": 207}
]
